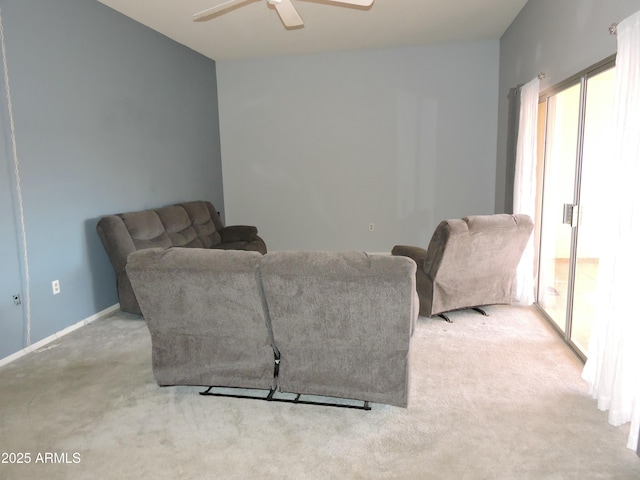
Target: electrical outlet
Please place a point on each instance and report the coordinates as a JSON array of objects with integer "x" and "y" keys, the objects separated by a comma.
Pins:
[
  {"x": 55, "y": 286},
  {"x": 372, "y": 227}
]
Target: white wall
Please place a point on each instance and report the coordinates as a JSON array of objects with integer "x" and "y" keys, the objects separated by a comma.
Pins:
[
  {"x": 560, "y": 38},
  {"x": 317, "y": 147}
]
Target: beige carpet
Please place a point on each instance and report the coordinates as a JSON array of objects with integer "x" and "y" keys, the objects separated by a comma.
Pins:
[{"x": 496, "y": 397}]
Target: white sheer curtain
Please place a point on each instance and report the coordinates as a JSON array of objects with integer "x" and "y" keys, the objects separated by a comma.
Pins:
[
  {"x": 613, "y": 366},
  {"x": 524, "y": 185}
]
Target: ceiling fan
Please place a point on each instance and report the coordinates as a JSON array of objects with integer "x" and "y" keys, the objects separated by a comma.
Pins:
[{"x": 285, "y": 8}]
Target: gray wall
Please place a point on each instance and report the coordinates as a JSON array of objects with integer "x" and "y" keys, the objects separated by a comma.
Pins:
[
  {"x": 110, "y": 116},
  {"x": 557, "y": 37},
  {"x": 317, "y": 147}
]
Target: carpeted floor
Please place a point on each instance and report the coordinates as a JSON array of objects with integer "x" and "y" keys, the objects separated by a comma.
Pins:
[{"x": 496, "y": 397}]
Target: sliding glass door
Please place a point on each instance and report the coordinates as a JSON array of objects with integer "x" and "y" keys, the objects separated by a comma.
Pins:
[
  {"x": 559, "y": 188},
  {"x": 575, "y": 153},
  {"x": 596, "y": 146}
]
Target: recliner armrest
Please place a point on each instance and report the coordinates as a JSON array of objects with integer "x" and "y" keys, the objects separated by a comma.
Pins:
[
  {"x": 239, "y": 233},
  {"x": 417, "y": 254}
]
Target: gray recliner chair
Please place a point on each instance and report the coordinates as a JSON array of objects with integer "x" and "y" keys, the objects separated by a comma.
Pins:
[{"x": 469, "y": 263}]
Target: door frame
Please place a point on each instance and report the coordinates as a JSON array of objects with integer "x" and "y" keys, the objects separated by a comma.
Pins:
[{"x": 580, "y": 78}]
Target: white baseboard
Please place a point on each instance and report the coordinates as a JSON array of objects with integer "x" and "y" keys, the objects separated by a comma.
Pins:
[{"x": 51, "y": 338}]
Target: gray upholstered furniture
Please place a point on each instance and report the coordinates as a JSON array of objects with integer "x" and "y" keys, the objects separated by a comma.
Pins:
[
  {"x": 342, "y": 322},
  {"x": 204, "y": 309},
  {"x": 334, "y": 324},
  {"x": 193, "y": 224},
  {"x": 470, "y": 262}
]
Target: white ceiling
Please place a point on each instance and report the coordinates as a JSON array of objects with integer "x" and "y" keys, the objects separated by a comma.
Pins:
[{"x": 255, "y": 30}]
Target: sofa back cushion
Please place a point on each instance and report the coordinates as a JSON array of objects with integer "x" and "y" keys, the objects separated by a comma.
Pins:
[
  {"x": 179, "y": 227},
  {"x": 146, "y": 229},
  {"x": 342, "y": 322},
  {"x": 193, "y": 224},
  {"x": 205, "y": 221},
  {"x": 206, "y": 316}
]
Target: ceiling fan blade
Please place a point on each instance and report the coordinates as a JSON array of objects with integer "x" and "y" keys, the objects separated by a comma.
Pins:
[
  {"x": 288, "y": 13},
  {"x": 210, "y": 12},
  {"x": 358, "y": 3}
]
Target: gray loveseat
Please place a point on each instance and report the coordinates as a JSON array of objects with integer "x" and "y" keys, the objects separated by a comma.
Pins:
[
  {"x": 192, "y": 224},
  {"x": 316, "y": 323}
]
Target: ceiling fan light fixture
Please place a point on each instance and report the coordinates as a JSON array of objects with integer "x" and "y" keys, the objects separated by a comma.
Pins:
[{"x": 285, "y": 8}]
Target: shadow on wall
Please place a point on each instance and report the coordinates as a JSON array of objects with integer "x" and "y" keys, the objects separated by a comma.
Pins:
[{"x": 103, "y": 278}]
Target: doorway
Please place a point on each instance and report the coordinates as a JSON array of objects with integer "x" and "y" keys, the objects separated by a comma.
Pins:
[{"x": 576, "y": 118}]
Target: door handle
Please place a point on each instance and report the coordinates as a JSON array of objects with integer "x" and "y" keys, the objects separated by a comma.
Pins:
[{"x": 571, "y": 214}]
